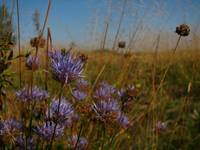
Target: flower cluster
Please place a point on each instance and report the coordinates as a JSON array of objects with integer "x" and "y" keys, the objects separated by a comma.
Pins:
[
  {"x": 104, "y": 91},
  {"x": 9, "y": 126},
  {"x": 28, "y": 94},
  {"x": 46, "y": 131},
  {"x": 66, "y": 67},
  {"x": 80, "y": 90},
  {"x": 107, "y": 107},
  {"x": 62, "y": 112},
  {"x": 109, "y": 111},
  {"x": 59, "y": 114},
  {"x": 21, "y": 140},
  {"x": 127, "y": 95}
]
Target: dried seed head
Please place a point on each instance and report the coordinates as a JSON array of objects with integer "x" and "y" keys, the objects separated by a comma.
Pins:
[
  {"x": 37, "y": 42},
  {"x": 183, "y": 30},
  {"x": 83, "y": 57},
  {"x": 122, "y": 44}
]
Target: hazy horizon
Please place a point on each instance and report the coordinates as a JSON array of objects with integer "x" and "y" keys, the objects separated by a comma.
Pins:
[{"x": 83, "y": 21}]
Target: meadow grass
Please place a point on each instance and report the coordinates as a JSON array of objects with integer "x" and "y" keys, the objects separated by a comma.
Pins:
[{"x": 176, "y": 102}]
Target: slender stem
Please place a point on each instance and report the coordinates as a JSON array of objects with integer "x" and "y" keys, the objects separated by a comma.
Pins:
[
  {"x": 169, "y": 64},
  {"x": 119, "y": 25},
  {"x": 19, "y": 44},
  {"x": 49, "y": 45},
  {"x": 30, "y": 124},
  {"x": 79, "y": 135},
  {"x": 107, "y": 22},
  {"x": 1, "y": 102},
  {"x": 31, "y": 119},
  {"x": 46, "y": 18},
  {"x": 56, "y": 121}
]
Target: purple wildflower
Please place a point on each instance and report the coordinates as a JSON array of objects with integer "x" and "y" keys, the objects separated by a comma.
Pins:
[
  {"x": 81, "y": 84},
  {"x": 66, "y": 67},
  {"x": 26, "y": 95},
  {"x": 126, "y": 96},
  {"x": 32, "y": 62},
  {"x": 81, "y": 89},
  {"x": 104, "y": 91},
  {"x": 9, "y": 126},
  {"x": 46, "y": 131},
  {"x": 121, "y": 93},
  {"x": 123, "y": 121},
  {"x": 78, "y": 143},
  {"x": 160, "y": 126},
  {"x": 107, "y": 110},
  {"x": 129, "y": 92},
  {"x": 66, "y": 114},
  {"x": 20, "y": 142},
  {"x": 79, "y": 95}
]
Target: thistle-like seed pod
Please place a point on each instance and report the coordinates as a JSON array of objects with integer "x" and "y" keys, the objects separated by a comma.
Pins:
[
  {"x": 38, "y": 42},
  {"x": 83, "y": 57},
  {"x": 183, "y": 30},
  {"x": 122, "y": 44}
]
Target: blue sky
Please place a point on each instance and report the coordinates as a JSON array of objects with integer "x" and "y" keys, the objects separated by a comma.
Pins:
[{"x": 82, "y": 20}]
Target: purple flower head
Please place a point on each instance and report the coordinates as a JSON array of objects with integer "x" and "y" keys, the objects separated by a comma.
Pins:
[
  {"x": 121, "y": 93},
  {"x": 65, "y": 115},
  {"x": 66, "y": 67},
  {"x": 104, "y": 91},
  {"x": 123, "y": 121},
  {"x": 9, "y": 126},
  {"x": 32, "y": 62},
  {"x": 126, "y": 96},
  {"x": 78, "y": 143},
  {"x": 81, "y": 89},
  {"x": 26, "y": 95},
  {"x": 46, "y": 131},
  {"x": 20, "y": 142},
  {"x": 79, "y": 95},
  {"x": 82, "y": 84},
  {"x": 129, "y": 92},
  {"x": 107, "y": 111},
  {"x": 160, "y": 126}
]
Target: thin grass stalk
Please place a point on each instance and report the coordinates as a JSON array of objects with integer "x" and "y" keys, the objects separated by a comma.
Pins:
[
  {"x": 56, "y": 122},
  {"x": 130, "y": 44},
  {"x": 155, "y": 61},
  {"x": 107, "y": 22},
  {"x": 12, "y": 9},
  {"x": 154, "y": 96},
  {"x": 1, "y": 102},
  {"x": 30, "y": 124},
  {"x": 169, "y": 64},
  {"x": 49, "y": 46},
  {"x": 79, "y": 135},
  {"x": 46, "y": 18},
  {"x": 19, "y": 44},
  {"x": 119, "y": 25}
]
